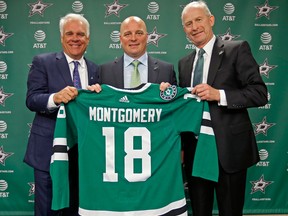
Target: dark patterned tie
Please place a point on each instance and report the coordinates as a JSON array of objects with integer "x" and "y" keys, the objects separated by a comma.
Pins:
[
  {"x": 76, "y": 77},
  {"x": 135, "y": 77},
  {"x": 198, "y": 72}
]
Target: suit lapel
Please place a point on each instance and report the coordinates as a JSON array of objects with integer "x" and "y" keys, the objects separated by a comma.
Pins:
[
  {"x": 63, "y": 68},
  {"x": 92, "y": 79},
  {"x": 188, "y": 67},
  {"x": 118, "y": 72},
  {"x": 153, "y": 70},
  {"x": 216, "y": 58}
]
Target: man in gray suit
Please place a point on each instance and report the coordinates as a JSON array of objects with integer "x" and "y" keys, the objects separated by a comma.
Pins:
[
  {"x": 134, "y": 37},
  {"x": 49, "y": 84},
  {"x": 231, "y": 83}
]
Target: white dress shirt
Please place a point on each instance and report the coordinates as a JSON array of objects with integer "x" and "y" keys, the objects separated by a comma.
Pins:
[{"x": 128, "y": 69}]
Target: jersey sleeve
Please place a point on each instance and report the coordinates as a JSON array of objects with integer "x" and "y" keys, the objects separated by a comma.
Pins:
[
  {"x": 193, "y": 115},
  {"x": 59, "y": 167},
  {"x": 206, "y": 157}
]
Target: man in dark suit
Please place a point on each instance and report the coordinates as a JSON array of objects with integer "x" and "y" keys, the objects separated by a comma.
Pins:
[
  {"x": 134, "y": 37},
  {"x": 49, "y": 84},
  {"x": 231, "y": 83}
]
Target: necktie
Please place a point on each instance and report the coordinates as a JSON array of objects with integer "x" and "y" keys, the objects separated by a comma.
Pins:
[
  {"x": 135, "y": 77},
  {"x": 198, "y": 72},
  {"x": 76, "y": 77}
]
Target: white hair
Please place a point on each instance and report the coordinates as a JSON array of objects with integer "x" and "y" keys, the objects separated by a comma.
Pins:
[
  {"x": 72, "y": 16},
  {"x": 200, "y": 4}
]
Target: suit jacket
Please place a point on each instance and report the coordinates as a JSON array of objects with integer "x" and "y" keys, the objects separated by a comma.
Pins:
[
  {"x": 49, "y": 74},
  {"x": 233, "y": 69},
  {"x": 112, "y": 73}
]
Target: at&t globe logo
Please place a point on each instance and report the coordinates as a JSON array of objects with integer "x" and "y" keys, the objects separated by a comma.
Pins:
[
  {"x": 3, "y": 69},
  {"x": 39, "y": 36}
]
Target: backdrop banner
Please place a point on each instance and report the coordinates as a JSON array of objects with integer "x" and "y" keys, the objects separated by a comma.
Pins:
[{"x": 30, "y": 27}]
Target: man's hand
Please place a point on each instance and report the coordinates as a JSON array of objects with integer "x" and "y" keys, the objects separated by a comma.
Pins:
[
  {"x": 206, "y": 92},
  {"x": 96, "y": 87},
  {"x": 164, "y": 86},
  {"x": 65, "y": 95}
]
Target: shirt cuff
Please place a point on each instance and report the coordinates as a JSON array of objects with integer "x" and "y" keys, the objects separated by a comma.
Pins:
[
  {"x": 51, "y": 105},
  {"x": 223, "y": 101}
]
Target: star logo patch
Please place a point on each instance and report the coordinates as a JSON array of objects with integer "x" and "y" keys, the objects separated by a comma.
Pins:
[
  {"x": 265, "y": 10},
  {"x": 260, "y": 185},
  {"x": 4, "y": 155},
  {"x": 265, "y": 68},
  {"x": 263, "y": 126},
  {"x": 228, "y": 36},
  {"x": 4, "y": 36},
  {"x": 169, "y": 93},
  {"x": 38, "y": 8},
  {"x": 4, "y": 96},
  {"x": 154, "y": 37},
  {"x": 114, "y": 8}
]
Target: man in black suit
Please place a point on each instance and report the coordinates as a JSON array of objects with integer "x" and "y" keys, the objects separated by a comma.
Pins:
[
  {"x": 49, "y": 84},
  {"x": 231, "y": 83},
  {"x": 134, "y": 37}
]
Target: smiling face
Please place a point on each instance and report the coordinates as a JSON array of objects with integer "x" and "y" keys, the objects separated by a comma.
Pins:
[
  {"x": 74, "y": 39},
  {"x": 133, "y": 37},
  {"x": 198, "y": 25}
]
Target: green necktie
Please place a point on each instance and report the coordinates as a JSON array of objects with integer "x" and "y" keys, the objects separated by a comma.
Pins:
[
  {"x": 135, "y": 76},
  {"x": 198, "y": 72}
]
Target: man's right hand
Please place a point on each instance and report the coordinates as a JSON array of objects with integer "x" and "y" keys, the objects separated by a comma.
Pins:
[{"x": 65, "y": 95}]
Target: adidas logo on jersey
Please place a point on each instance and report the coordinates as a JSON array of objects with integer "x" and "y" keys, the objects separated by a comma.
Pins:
[{"x": 124, "y": 99}]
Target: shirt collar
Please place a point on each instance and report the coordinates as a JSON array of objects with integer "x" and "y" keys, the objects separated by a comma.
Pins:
[
  {"x": 69, "y": 60},
  {"x": 209, "y": 46},
  {"x": 128, "y": 59}
]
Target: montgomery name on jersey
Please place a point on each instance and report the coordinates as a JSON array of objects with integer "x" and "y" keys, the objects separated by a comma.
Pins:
[{"x": 129, "y": 150}]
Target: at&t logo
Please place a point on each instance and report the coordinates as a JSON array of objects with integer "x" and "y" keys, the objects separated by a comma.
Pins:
[
  {"x": 266, "y": 38},
  {"x": 39, "y": 37},
  {"x": 3, "y": 7},
  {"x": 153, "y": 7},
  {"x": 3, "y": 69},
  {"x": 228, "y": 9},
  {"x": 115, "y": 37},
  {"x": 3, "y": 188}
]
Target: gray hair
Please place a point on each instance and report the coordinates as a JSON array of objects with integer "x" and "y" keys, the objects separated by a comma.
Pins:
[
  {"x": 72, "y": 16},
  {"x": 200, "y": 4}
]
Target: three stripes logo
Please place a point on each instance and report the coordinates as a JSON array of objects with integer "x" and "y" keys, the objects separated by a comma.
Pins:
[{"x": 124, "y": 99}]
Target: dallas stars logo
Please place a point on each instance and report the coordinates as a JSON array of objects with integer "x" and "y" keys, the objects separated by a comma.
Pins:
[
  {"x": 263, "y": 126},
  {"x": 4, "y": 155},
  {"x": 114, "y": 8},
  {"x": 4, "y": 36},
  {"x": 32, "y": 188},
  {"x": 228, "y": 36},
  {"x": 38, "y": 8},
  {"x": 169, "y": 93},
  {"x": 154, "y": 37},
  {"x": 265, "y": 68},
  {"x": 4, "y": 96},
  {"x": 265, "y": 10},
  {"x": 260, "y": 185}
]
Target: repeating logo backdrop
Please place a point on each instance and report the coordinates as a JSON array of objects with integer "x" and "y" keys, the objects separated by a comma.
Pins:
[{"x": 30, "y": 27}]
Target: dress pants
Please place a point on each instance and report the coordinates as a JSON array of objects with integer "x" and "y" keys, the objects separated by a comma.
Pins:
[
  {"x": 230, "y": 188},
  {"x": 43, "y": 190}
]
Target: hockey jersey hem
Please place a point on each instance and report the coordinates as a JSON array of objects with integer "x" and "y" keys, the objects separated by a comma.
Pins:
[{"x": 177, "y": 207}]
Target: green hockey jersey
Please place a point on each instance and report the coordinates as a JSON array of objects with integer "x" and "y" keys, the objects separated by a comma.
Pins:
[{"x": 129, "y": 150}]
